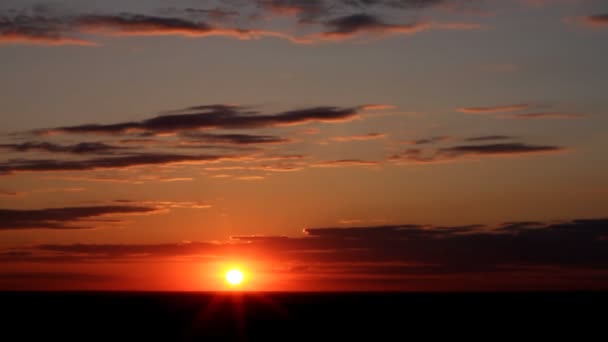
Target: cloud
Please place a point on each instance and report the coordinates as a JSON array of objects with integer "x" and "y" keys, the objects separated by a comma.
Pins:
[
  {"x": 80, "y": 148},
  {"x": 351, "y": 25},
  {"x": 500, "y": 111},
  {"x": 489, "y": 138},
  {"x": 494, "y": 109},
  {"x": 329, "y": 20},
  {"x": 145, "y": 25},
  {"x": 215, "y": 116},
  {"x": 250, "y": 178},
  {"x": 110, "y": 251},
  {"x": 547, "y": 115},
  {"x": 431, "y": 140},
  {"x": 377, "y": 107},
  {"x": 274, "y": 167},
  {"x": 405, "y": 250},
  {"x": 462, "y": 151},
  {"x": 65, "y": 30},
  {"x": 508, "y": 148},
  {"x": 166, "y": 204},
  {"x": 346, "y": 163},
  {"x": 362, "y": 137},
  {"x": 53, "y": 276},
  {"x": 37, "y": 30},
  {"x": 598, "y": 20},
  {"x": 237, "y": 139},
  {"x": 66, "y": 218},
  {"x": 135, "y": 179},
  {"x": 119, "y": 162}
]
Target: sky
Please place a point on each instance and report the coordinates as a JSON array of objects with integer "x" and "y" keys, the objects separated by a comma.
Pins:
[{"x": 320, "y": 145}]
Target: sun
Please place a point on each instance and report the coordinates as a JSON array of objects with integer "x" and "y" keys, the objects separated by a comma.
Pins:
[{"x": 234, "y": 277}]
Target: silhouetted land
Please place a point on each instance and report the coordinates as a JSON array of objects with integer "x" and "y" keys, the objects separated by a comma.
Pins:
[{"x": 122, "y": 316}]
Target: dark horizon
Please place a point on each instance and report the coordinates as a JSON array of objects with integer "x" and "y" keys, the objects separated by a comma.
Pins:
[{"x": 239, "y": 317}]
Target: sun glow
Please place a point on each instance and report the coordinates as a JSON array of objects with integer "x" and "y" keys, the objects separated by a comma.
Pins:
[{"x": 234, "y": 277}]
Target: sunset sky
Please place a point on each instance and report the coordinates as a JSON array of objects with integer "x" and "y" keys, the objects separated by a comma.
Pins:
[{"x": 316, "y": 145}]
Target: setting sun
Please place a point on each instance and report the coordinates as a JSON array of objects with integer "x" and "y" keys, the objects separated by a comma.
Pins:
[{"x": 234, "y": 277}]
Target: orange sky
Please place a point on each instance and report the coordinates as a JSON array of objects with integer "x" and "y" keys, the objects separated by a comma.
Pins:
[{"x": 319, "y": 145}]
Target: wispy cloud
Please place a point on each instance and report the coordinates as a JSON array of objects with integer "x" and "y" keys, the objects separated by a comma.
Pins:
[
  {"x": 118, "y": 162},
  {"x": 67, "y": 217},
  {"x": 489, "y": 138},
  {"x": 377, "y": 107},
  {"x": 346, "y": 163},
  {"x": 361, "y": 137},
  {"x": 431, "y": 140},
  {"x": 494, "y": 109},
  {"x": 80, "y": 148},
  {"x": 547, "y": 115},
  {"x": 458, "y": 152},
  {"x": 598, "y": 20},
  {"x": 237, "y": 139},
  {"x": 214, "y": 116}
]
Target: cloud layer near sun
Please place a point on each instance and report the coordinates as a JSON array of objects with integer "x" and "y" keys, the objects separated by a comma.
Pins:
[{"x": 402, "y": 253}]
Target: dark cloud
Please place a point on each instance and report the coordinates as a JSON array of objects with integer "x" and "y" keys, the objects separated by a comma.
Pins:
[
  {"x": 111, "y": 251},
  {"x": 65, "y": 218},
  {"x": 346, "y": 163},
  {"x": 598, "y": 20},
  {"x": 38, "y": 29},
  {"x": 331, "y": 19},
  {"x": 520, "y": 226},
  {"x": 461, "y": 151},
  {"x": 237, "y": 139},
  {"x": 407, "y": 249},
  {"x": 118, "y": 162},
  {"x": 350, "y": 25},
  {"x": 128, "y": 24},
  {"x": 66, "y": 30},
  {"x": 253, "y": 238},
  {"x": 511, "y": 148},
  {"x": 80, "y": 148},
  {"x": 53, "y": 276},
  {"x": 489, "y": 138},
  {"x": 218, "y": 116},
  {"x": 388, "y": 232},
  {"x": 142, "y": 24}
]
